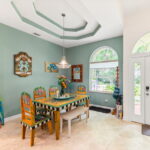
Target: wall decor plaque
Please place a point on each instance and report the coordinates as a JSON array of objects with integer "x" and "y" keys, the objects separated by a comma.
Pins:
[
  {"x": 51, "y": 67},
  {"x": 22, "y": 64},
  {"x": 77, "y": 73}
]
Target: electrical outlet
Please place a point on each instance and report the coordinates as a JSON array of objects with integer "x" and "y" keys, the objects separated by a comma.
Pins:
[{"x": 106, "y": 100}]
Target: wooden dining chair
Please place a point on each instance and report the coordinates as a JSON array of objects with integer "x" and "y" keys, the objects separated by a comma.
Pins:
[
  {"x": 39, "y": 92},
  {"x": 30, "y": 120},
  {"x": 81, "y": 90},
  {"x": 52, "y": 91}
]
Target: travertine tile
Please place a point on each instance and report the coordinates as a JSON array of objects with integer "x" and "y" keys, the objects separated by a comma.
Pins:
[{"x": 102, "y": 132}]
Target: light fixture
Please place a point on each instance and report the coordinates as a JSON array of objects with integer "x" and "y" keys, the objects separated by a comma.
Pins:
[{"x": 63, "y": 63}]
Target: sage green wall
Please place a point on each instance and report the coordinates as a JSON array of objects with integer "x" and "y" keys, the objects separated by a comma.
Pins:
[
  {"x": 81, "y": 55},
  {"x": 13, "y": 41}
]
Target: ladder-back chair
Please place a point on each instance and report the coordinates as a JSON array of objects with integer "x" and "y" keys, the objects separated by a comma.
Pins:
[
  {"x": 30, "y": 120},
  {"x": 53, "y": 91}
]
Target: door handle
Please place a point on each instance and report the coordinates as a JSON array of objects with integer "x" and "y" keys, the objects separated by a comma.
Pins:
[{"x": 147, "y": 88}]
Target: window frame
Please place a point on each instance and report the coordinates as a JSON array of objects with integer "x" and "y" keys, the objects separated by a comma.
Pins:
[{"x": 117, "y": 68}]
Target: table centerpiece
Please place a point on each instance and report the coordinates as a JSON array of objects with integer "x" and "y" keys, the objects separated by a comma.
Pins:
[{"x": 63, "y": 82}]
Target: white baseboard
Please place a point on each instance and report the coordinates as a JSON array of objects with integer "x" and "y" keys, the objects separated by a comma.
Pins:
[
  {"x": 12, "y": 117},
  {"x": 100, "y": 106}
]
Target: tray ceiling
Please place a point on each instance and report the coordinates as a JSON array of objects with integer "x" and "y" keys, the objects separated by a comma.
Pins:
[{"x": 86, "y": 20}]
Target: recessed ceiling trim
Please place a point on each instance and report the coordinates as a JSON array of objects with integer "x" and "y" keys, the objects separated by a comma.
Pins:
[
  {"x": 28, "y": 21},
  {"x": 56, "y": 24},
  {"x": 85, "y": 35},
  {"x": 33, "y": 23}
]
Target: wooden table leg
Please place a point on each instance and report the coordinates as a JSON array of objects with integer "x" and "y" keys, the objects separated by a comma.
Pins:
[
  {"x": 35, "y": 110},
  {"x": 57, "y": 124},
  {"x": 87, "y": 105}
]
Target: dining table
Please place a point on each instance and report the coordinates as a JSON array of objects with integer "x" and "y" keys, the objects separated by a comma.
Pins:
[{"x": 57, "y": 106}]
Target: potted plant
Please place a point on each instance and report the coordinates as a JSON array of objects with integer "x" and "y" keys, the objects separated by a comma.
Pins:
[
  {"x": 63, "y": 82},
  {"x": 118, "y": 97}
]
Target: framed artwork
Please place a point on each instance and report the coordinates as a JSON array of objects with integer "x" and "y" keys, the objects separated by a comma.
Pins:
[
  {"x": 51, "y": 67},
  {"x": 22, "y": 64},
  {"x": 77, "y": 73}
]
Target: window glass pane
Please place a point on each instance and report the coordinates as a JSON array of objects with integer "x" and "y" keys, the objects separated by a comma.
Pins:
[
  {"x": 143, "y": 45},
  {"x": 103, "y": 73},
  {"x": 137, "y": 89},
  {"x": 102, "y": 79},
  {"x": 104, "y": 54}
]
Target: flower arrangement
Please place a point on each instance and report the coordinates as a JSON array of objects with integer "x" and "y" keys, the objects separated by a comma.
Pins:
[{"x": 63, "y": 82}]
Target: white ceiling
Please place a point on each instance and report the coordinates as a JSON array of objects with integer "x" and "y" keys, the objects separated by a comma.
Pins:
[
  {"x": 131, "y": 6},
  {"x": 107, "y": 13}
]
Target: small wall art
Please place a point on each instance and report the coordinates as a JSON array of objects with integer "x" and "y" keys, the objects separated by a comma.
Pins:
[
  {"x": 51, "y": 67},
  {"x": 22, "y": 64},
  {"x": 77, "y": 73}
]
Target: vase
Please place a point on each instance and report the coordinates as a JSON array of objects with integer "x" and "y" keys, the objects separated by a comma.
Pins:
[{"x": 62, "y": 92}]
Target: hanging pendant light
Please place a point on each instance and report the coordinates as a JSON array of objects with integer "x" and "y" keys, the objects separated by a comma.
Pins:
[{"x": 63, "y": 63}]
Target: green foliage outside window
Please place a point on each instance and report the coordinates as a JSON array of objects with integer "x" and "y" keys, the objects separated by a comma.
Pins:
[
  {"x": 104, "y": 55},
  {"x": 142, "y": 45},
  {"x": 102, "y": 78}
]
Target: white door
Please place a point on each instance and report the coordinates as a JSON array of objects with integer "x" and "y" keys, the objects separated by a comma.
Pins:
[
  {"x": 147, "y": 91},
  {"x": 140, "y": 90}
]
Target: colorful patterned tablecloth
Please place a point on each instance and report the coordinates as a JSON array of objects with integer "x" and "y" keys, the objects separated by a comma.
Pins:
[{"x": 58, "y": 105}]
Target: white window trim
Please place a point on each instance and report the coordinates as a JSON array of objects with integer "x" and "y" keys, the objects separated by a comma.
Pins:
[{"x": 102, "y": 92}]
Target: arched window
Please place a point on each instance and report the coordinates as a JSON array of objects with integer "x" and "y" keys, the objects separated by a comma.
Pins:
[
  {"x": 104, "y": 73},
  {"x": 142, "y": 45}
]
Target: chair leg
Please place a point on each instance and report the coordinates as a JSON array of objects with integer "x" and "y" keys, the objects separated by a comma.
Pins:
[
  {"x": 50, "y": 114},
  {"x": 50, "y": 127},
  {"x": 61, "y": 125},
  {"x": 32, "y": 132},
  {"x": 70, "y": 108},
  {"x": 45, "y": 112},
  {"x": 53, "y": 116},
  {"x": 23, "y": 131},
  {"x": 78, "y": 117},
  {"x": 69, "y": 128},
  {"x": 88, "y": 114},
  {"x": 42, "y": 126}
]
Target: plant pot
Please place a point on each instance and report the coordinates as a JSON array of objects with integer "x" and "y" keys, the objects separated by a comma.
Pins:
[{"x": 119, "y": 111}]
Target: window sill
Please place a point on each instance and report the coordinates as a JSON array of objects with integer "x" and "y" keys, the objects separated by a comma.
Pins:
[{"x": 104, "y": 92}]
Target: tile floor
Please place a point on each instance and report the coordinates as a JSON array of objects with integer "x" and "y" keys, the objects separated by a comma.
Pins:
[{"x": 102, "y": 132}]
